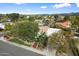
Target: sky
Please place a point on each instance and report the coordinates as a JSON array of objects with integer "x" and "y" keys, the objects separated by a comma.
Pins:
[{"x": 39, "y": 8}]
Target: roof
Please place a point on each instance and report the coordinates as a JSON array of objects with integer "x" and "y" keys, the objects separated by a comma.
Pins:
[
  {"x": 49, "y": 31},
  {"x": 65, "y": 24}
]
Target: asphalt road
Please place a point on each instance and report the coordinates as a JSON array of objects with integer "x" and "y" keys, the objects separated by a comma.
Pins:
[{"x": 12, "y": 50}]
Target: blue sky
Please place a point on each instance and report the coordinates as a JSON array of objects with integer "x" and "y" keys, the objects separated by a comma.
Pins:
[{"x": 38, "y": 8}]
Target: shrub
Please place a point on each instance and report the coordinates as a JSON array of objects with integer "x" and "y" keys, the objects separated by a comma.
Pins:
[
  {"x": 16, "y": 40},
  {"x": 25, "y": 30}
]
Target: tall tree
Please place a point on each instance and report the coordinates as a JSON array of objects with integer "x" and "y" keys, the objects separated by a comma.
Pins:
[
  {"x": 25, "y": 30},
  {"x": 13, "y": 16},
  {"x": 56, "y": 17},
  {"x": 42, "y": 40}
]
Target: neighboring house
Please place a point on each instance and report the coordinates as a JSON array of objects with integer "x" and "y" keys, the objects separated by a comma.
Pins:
[
  {"x": 64, "y": 23},
  {"x": 49, "y": 31}
]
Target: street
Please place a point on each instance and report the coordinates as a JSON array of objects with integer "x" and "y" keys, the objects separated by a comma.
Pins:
[{"x": 12, "y": 50}]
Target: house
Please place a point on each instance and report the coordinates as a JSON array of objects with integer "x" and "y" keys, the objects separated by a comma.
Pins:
[
  {"x": 64, "y": 23},
  {"x": 49, "y": 31}
]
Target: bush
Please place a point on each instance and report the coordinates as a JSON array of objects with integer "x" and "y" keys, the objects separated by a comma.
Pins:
[
  {"x": 16, "y": 40},
  {"x": 25, "y": 30},
  {"x": 42, "y": 40},
  {"x": 8, "y": 27}
]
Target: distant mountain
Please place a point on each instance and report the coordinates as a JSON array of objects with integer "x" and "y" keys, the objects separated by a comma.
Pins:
[
  {"x": 69, "y": 14},
  {"x": 64, "y": 14}
]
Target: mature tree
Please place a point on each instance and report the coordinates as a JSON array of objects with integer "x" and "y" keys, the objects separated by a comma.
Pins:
[
  {"x": 66, "y": 17},
  {"x": 46, "y": 22},
  {"x": 56, "y": 17},
  {"x": 8, "y": 27},
  {"x": 42, "y": 40},
  {"x": 75, "y": 22},
  {"x": 31, "y": 18},
  {"x": 1, "y": 16},
  {"x": 13, "y": 16},
  {"x": 25, "y": 30},
  {"x": 64, "y": 42}
]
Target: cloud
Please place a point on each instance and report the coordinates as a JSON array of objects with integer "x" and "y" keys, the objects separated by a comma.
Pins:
[
  {"x": 77, "y": 4},
  {"x": 62, "y": 5},
  {"x": 19, "y": 3},
  {"x": 44, "y": 7}
]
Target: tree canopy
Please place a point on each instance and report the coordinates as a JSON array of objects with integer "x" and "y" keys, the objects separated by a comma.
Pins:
[
  {"x": 13, "y": 16},
  {"x": 25, "y": 30}
]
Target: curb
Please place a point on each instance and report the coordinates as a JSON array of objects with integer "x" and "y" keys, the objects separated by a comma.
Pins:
[{"x": 24, "y": 47}]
